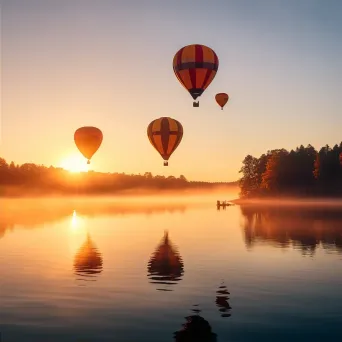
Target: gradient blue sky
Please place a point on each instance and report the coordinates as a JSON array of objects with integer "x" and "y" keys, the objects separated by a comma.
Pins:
[{"x": 69, "y": 63}]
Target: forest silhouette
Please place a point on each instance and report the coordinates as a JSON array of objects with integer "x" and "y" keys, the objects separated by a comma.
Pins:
[
  {"x": 300, "y": 172},
  {"x": 32, "y": 179}
]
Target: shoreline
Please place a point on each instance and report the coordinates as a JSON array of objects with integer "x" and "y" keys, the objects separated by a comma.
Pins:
[{"x": 290, "y": 202}]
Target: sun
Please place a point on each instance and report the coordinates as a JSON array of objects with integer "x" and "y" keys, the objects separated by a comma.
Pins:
[{"x": 75, "y": 164}]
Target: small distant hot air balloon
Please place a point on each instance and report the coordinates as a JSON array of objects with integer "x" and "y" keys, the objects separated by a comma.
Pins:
[
  {"x": 165, "y": 134},
  {"x": 195, "y": 67},
  {"x": 88, "y": 140},
  {"x": 221, "y": 99}
]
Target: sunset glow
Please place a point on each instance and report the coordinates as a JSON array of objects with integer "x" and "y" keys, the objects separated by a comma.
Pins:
[
  {"x": 72, "y": 69},
  {"x": 75, "y": 164}
]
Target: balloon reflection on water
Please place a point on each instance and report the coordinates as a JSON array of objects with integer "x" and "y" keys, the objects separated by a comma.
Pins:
[
  {"x": 222, "y": 301},
  {"x": 166, "y": 265},
  {"x": 88, "y": 261},
  {"x": 195, "y": 329}
]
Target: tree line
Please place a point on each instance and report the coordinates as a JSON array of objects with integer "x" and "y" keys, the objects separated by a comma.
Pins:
[
  {"x": 39, "y": 179},
  {"x": 301, "y": 172}
]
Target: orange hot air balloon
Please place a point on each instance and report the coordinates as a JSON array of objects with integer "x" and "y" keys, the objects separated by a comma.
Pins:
[
  {"x": 222, "y": 99},
  {"x": 195, "y": 67},
  {"x": 88, "y": 140},
  {"x": 165, "y": 134}
]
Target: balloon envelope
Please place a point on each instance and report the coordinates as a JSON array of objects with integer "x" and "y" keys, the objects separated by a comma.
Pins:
[
  {"x": 165, "y": 134},
  {"x": 222, "y": 99},
  {"x": 88, "y": 140},
  {"x": 195, "y": 67}
]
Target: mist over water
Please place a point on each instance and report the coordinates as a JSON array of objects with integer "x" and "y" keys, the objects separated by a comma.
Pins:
[{"x": 169, "y": 268}]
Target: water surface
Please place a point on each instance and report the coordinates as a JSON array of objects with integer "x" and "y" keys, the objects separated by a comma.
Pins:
[{"x": 119, "y": 271}]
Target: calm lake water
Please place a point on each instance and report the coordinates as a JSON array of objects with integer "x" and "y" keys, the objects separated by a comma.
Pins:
[{"x": 121, "y": 271}]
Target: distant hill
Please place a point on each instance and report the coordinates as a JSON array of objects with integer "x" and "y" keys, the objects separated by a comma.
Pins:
[{"x": 32, "y": 179}]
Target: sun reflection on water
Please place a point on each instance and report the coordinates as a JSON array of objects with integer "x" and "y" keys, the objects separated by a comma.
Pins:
[{"x": 76, "y": 223}]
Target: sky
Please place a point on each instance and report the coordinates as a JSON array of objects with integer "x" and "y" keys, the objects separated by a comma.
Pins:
[{"x": 108, "y": 63}]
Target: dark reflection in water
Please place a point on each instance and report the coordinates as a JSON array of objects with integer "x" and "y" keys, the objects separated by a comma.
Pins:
[
  {"x": 88, "y": 261},
  {"x": 222, "y": 301},
  {"x": 196, "y": 310},
  {"x": 303, "y": 228},
  {"x": 166, "y": 265},
  {"x": 195, "y": 329}
]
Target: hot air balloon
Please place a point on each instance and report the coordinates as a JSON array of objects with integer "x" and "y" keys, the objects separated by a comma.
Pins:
[
  {"x": 195, "y": 67},
  {"x": 165, "y": 134},
  {"x": 88, "y": 140},
  {"x": 221, "y": 99}
]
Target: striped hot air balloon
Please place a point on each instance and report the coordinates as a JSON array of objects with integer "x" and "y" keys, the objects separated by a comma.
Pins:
[
  {"x": 195, "y": 67},
  {"x": 165, "y": 134}
]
